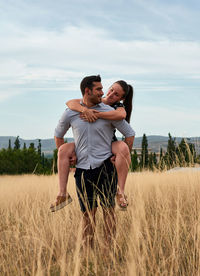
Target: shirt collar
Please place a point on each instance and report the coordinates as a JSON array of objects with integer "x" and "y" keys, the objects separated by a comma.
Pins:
[{"x": 96, "y": 105}]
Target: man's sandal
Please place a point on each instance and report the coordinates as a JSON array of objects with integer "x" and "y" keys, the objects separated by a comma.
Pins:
[
  {"x": 61, "y": 202},
  {"x": 122, "y": 201}
]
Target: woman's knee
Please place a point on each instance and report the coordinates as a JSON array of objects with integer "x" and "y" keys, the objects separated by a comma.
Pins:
[
  {"x": 66, "y": 150},
  {"x": 120, "y": 147}
]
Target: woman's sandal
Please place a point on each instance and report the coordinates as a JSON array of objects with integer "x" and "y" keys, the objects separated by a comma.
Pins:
[
  {"x": 122, "y": 201},
  {"x": 61, "y": 202}
]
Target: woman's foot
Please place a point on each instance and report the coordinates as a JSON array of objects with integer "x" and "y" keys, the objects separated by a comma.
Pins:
[
  {"x": 61, "y": 202},
  {"x": 122, "y": 201}
]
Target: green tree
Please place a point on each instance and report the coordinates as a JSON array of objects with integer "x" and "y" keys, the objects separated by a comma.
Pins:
[
  {"x": 39, "y": 149},
  {"x": 43, "y": 160},
  {"x": 193, "y": 152},
  {"x": 22, "y": 161},
  {"x": 151, "y": 164},
  {"x": 144, "y": 153},
  {"x": 55, "y": 158},
  {"x": 155, "y": 161},
  {"x": 134, "y": 161},
  {"x": 9, "y": 144},
  {"x": 182, "y": 153},
  {"x": 17, "y": 143},
  {"x": 161, "y": 163},
  {"x": 171, "y": 150},
  {"x": 161, "y": 153},
  {"x": 187, "y": 153},
  {"x": 32, "y": 146}
]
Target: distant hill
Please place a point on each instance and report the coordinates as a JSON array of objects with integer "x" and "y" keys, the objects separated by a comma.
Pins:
[
  {"x": 155, "y": 142},
  {"x": 48, "y": 145}
]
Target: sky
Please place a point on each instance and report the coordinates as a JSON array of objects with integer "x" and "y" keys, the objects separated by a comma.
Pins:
[{"x": 48, "y": 46}]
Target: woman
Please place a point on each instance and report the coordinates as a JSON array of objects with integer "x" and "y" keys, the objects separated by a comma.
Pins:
[{"x": 119, "y": 91}]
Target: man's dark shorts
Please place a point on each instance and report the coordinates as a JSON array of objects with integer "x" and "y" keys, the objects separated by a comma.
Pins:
[{"x": 101, "y": 181}]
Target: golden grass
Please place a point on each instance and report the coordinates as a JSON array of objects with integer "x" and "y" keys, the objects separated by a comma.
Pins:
[{"x": 158, "y": 235}]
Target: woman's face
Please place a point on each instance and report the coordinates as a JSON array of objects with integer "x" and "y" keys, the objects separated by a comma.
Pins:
[{"x": 115, "y": 94}]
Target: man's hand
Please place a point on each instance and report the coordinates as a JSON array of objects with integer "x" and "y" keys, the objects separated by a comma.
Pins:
[
  {"x": 73, "y": 159},
  {"x": 59, "y": 141},
  {"x": 112, "y": 159}
]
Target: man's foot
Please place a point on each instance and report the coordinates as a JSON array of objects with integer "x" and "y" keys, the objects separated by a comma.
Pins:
[
  {"x": 61, "y": 202},
  {"x": 122, "y": 201}
]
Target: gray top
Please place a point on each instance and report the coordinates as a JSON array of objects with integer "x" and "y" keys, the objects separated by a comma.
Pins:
[{"x": 92, "y": 140}]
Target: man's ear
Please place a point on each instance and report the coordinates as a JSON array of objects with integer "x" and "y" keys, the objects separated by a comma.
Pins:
[{"x": 87, "y": 91}]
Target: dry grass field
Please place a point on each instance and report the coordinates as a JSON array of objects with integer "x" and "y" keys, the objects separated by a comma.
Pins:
[{"x": 158, "y": 235}]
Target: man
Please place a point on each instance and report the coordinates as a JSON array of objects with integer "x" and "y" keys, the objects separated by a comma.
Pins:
[{"x": 95, "y": 173}]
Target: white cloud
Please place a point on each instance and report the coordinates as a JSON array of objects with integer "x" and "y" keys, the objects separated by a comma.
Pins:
[
  {"x": 50, "y": 45},
  {"x": 162, "y": 120},
  {"x": 40, "y": 57},
  {"x": 87, "y": 47}
]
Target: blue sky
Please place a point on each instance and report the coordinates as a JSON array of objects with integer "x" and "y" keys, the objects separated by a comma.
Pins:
[{"x": 47, "y": 47}]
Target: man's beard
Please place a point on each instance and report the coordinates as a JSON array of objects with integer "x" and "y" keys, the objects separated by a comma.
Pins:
[{"x": 96, "y": 100}]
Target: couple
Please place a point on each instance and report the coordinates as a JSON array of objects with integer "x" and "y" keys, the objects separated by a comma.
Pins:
[{"x": 95, "y": 147}]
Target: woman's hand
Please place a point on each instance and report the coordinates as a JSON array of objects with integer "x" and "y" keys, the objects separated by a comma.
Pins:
[{"x": 89, "y": 115}]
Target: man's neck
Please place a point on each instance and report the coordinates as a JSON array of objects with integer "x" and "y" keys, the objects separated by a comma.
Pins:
[{"x": 87, "y": 103}]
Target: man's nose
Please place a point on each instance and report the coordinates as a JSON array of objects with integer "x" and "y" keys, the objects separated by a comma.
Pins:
[{"x": 102, "y": 93}]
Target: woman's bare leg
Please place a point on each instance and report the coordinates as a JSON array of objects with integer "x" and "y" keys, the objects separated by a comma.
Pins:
[
  {"x": 122, "y": 163},
  {"x": 66, "y": 157},
  {"x": 65, "y": 154}
]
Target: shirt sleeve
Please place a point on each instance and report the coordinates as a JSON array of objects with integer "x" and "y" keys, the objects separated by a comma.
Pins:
[
  {"x": 116, "y": 105},
  {"x": 124, "y": 128},
  {"x": 63, "y": 124}
]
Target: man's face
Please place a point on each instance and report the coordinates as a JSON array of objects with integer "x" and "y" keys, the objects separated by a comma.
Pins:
[{"x": 95, "y": 95}]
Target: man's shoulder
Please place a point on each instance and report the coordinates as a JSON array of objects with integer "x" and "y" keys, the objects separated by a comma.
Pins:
[
  {"x": 70, "y": 112},
  {"x": 105, "y": 107}
]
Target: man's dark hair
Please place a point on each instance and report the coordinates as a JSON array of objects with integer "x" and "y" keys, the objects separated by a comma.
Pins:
[{"x": 87, "y": 82}]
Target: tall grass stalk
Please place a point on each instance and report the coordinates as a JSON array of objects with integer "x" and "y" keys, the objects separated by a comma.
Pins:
[{"x": 158, "y": 235}]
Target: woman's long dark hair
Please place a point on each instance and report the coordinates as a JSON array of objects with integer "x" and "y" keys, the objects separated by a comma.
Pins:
[{"x": 128, "y": 98}]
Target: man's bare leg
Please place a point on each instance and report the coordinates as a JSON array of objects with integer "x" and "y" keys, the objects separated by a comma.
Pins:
[
  {"x": 109, "y": 227},
  {"x": 122, "y": 162},
  {"x": 88, "y": 229}
]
